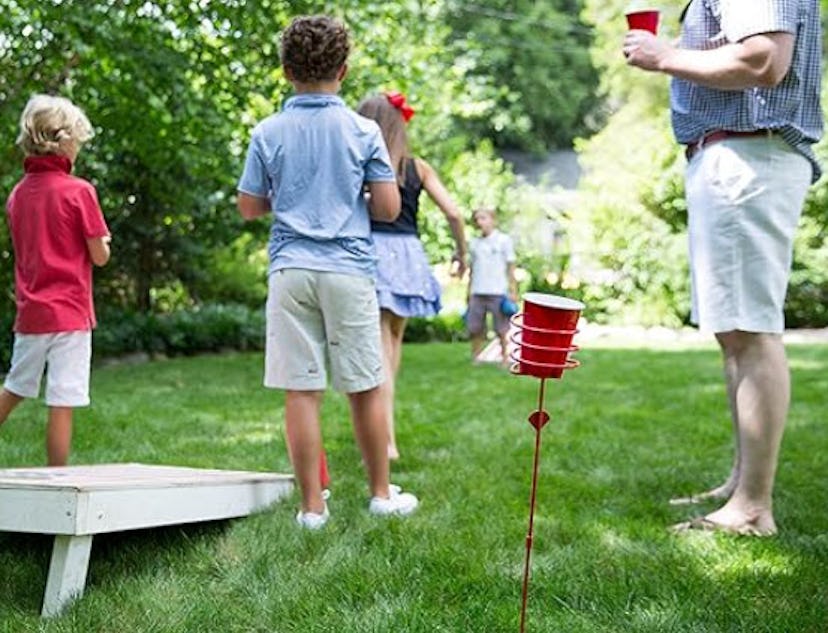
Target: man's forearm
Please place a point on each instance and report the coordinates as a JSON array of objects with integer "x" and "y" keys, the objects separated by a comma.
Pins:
[
  {"x": 760, "y": 61},
  {"x": 729, "y": 67}
]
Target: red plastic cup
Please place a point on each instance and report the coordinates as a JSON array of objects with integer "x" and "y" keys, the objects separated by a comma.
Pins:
[
  {"x": 543, "y": 361},
  {"x": 548, "y": 325},
  {"x": 543, "y": 336},
  {"x": 551, "y": 312},
  {"x": 644, "y": 19}
]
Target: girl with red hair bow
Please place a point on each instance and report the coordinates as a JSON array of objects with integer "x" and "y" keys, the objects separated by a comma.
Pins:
[{"x": 406, "y": 286}]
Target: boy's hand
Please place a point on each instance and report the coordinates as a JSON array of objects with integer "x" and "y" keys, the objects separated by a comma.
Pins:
[
  {"x": 458, "y": 265},
  {"x": 252, "y": 207}
]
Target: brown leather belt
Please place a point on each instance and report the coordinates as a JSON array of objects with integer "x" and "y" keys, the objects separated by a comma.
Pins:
[{"x": 719, "y": 135}]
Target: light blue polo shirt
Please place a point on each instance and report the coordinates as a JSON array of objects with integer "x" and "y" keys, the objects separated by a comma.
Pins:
[{"x": 312, "y": 161}]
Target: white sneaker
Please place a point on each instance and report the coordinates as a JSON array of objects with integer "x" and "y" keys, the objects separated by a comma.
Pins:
[
  {"x": 398, "y": 503},
  {"x": 313, "y": 520}
]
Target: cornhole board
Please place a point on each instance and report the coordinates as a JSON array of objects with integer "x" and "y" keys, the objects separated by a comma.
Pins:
[{"x": 76, "y": 502}]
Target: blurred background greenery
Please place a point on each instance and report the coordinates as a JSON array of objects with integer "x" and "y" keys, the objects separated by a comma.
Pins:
[{"x": 174, "y": 88}]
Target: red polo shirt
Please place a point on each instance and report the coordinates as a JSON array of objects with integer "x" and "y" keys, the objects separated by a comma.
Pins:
[{"x": 51, "y": 214}]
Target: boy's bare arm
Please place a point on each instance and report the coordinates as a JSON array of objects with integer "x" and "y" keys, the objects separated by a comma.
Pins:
[
  {"x": 512, "y": 282},
  {"x": 252, "y": 207},
  {"x": 99, "y": 249},
  {"x": 384, "y": 201}
]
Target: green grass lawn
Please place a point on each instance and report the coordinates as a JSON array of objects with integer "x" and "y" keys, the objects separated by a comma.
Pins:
[{"x": 629, "y": 429}]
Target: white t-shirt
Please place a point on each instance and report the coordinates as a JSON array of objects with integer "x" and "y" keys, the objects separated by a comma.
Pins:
[{"x": 490, "y": 259}]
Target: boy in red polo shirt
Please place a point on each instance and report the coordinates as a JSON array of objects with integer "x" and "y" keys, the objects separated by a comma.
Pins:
[{"x": 58, "y": 232}]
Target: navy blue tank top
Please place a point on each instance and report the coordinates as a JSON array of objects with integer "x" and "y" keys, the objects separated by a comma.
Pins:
[{"x": 406, "y": 222}]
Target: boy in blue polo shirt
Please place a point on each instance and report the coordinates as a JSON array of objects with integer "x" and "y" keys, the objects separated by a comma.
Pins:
[{"x": 310, "y": 167}]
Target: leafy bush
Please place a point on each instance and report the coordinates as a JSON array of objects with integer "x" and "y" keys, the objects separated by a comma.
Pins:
[
  {"x": 448, "y": 327},
  {"x": 807, "y": 305},
  {"x": 807, "y": 302},
  {"x": 208, "y": 328},
  {"x": 6, "y": 340},
  {"x": 235, "y": 274},
  {"x": 218, "y": 327},
  {"x": 212, "y": 327}
]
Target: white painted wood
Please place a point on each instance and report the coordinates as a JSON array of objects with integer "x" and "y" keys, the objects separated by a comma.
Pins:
[
  {"x": 117, "y": 510},
  {"x": 102, "y": 476},
  {"x": 115, "y": 497},
  {"x": 67, "y": 572},
  {"x": 75, "y": 502},
  {"x": 46, "y": 512}
]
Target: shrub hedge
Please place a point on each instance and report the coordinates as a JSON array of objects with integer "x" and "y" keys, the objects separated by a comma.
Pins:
[{"x": 208, "y": 328}]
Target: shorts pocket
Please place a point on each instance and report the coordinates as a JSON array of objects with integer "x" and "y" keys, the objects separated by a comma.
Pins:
[{"x": 732, "y": 178}]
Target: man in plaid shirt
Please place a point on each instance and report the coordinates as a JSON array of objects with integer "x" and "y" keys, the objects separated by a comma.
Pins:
[{"x": 745, "y": 103}]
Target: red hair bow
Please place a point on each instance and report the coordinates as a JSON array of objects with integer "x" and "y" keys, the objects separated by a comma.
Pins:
[{"x": 397, "y": 99}]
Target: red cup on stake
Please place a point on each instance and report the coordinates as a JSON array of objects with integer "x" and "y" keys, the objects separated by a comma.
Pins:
[
  {"x": 542, "y": 344},
  {"x": 643, "y": 19},
  {"x": 544, "y": 335}
]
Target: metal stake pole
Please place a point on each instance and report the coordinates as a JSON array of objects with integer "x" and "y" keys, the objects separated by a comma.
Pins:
[{"x": 538, "y": 420}]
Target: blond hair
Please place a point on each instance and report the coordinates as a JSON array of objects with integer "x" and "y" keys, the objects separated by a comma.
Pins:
[{"x": 52, "y": 125}]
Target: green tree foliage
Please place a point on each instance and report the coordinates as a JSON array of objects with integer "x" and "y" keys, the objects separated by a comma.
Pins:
[
  {"x": 530, "y": 68},
  {"x": 173, "y": 89},
  {"x": 628, "y": 255},
  {"x": 165, "y": 89}
]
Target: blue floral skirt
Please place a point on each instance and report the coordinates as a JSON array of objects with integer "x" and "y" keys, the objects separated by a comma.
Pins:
[{"x": 405, "y": 284}]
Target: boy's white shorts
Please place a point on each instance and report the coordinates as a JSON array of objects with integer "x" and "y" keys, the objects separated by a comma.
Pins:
[
  {"x": 66, "y": 356},
  {"x": 315, "y": 319}
]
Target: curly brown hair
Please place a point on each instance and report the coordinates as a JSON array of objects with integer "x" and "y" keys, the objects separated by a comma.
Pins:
[{"x": 314, "y": 48}]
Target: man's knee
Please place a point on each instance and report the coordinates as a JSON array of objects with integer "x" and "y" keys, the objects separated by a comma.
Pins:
[
  {"x": 737, "y": 341},
  {"x": 730, "y": 342}
]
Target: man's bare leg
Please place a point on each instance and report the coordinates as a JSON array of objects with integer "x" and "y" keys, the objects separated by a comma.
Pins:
[
  {"x": 762, "y": 396},
  {"x": 726, "y": 489},
  {"x": 59, "y": 435}
]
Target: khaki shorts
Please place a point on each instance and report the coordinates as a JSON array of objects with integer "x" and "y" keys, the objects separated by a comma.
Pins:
[
  {"x": 744, "y": 199},
  {"x": 65, "y": 356},
  {"x": 317, "y": 320}
]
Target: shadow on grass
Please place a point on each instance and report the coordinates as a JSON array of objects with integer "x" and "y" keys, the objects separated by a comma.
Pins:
[{"x": 24, "y": 558}]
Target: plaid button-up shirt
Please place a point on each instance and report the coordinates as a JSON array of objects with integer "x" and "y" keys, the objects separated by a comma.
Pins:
[{"x": 792, "y": 107}]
